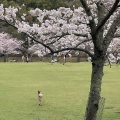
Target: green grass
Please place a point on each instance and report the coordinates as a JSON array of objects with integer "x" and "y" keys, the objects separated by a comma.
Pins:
[{"x": 65, "y": 91}]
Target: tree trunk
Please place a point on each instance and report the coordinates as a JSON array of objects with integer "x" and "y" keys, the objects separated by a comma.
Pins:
[{"x": 95, "y": 88}]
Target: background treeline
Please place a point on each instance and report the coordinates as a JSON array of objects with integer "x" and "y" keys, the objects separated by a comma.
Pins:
[{"x": 42, "y": 4}]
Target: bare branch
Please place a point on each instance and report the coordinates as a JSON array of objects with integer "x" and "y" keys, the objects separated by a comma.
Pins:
[
  {"x": 111, "y": 32},
  {"x": 63, "y": 35},
  {"x": 75, "y": 49},
  {"x": 46, "y": 46},
  {"x": 89, "y": 13},
  {"x": 88, "y": 40},
  {"x": 8, "y": 23},
  {"x": 54, "y": 41},
  {"x": 59, "y": 36},
  {"x": 79, "y": 44},
  {"x": 80, "y": 35},
  {"x": 112, "y": 10}
]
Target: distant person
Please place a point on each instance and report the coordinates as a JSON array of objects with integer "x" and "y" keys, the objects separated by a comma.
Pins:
[
  {"x": 27, "y": 59},
  {"x": 64, "y": 59},
  {"x": 23, "y": 58}
]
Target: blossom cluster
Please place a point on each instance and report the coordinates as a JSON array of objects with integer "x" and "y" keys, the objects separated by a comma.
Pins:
[{"x": 8, "y": 45}]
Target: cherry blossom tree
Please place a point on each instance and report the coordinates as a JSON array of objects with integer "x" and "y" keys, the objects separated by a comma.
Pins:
[
  {"x": 8, "y": 45},
  {"x": 90, "y": 28},
  {"x": 114, "y": 50},
  {"x": 36, "y": 49}
]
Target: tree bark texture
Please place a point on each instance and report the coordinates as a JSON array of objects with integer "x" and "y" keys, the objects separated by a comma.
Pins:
[{"x": 95, "y": 88}]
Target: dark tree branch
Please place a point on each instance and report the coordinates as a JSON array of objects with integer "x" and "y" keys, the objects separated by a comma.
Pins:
[
  {"x": 89, "y": 13},
  {"x": 46, "y": 46},
  {"x": 65, "y": 34},
  {"x": 59, "y": 37},
  {"x": 78, "y": 45},
  {"x": 8, "y": 23},
  {"x": 80, "y": 35},
  {"x": 75, "y": 49},
  {"x": 112, "y": 10},
  {"x": 54, "y": 41},
  {"x": 88, "y": 40},
  {"x": 111, "y": 31}
]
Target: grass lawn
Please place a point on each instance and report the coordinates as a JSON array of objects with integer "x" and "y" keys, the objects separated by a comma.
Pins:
[{"x": 65, "y": 91}]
